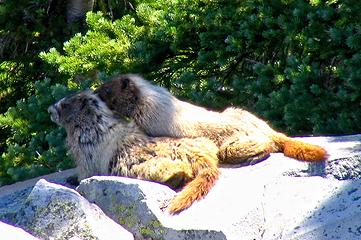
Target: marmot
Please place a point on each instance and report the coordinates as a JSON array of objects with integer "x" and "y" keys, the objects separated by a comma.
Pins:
[
  {"x": 240, "y": 136},
  {"x": 103, "y": 144}
]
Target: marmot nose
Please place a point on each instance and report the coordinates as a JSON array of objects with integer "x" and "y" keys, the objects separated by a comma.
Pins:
[
  {"x": 53, "y": 113},
  {"x": 51, "y": 109}
]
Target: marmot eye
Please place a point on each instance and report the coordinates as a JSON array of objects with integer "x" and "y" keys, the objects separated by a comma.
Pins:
[
  {"x": 65, "y": 105},
  {"x": 125, "y": 83},
  {"x": 108, "y": 90}
]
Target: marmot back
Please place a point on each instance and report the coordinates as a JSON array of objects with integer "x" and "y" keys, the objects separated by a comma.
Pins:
[{"x": 240, "y": 135}]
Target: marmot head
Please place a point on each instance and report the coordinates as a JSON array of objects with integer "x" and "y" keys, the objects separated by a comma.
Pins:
[
  {"x": 121, "y": 94},
  {"x": 80, "y": 110}
]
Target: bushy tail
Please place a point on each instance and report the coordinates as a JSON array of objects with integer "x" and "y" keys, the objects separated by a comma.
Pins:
[
  {"x": 206, "y": 174},
  {"x": 300, "y": 150}
]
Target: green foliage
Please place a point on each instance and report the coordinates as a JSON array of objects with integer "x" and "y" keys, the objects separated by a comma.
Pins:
[
  {"x": 106, "y": 46},
  {"x": 36, "y": 145},
  {"x": 27, "y": 28},
  {"x": 29, "y": 144},
  {"x": 114, "y": 8},
  {"x": 295, "y": 63}
]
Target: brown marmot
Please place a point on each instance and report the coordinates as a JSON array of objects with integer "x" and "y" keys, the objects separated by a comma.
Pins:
[
  {"x": 103, "y": 144},
  {"x": 240, "y": 136}
]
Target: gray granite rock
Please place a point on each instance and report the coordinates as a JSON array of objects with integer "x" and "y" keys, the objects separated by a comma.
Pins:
[
  {"x": 52, "y": 211},
  {"x": 344, "y": 162},
  {"x": 8, "y": 232},
  {"x": 13, "y": 197},
  {"x": 137, "y": 205}
]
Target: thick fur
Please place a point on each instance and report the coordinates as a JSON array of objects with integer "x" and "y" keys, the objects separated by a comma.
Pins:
[
  {"x": 240, "y": 136},
  {"x": 102, "y": 144}
]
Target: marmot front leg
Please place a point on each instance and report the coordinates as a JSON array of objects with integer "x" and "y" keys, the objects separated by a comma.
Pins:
[
  {"x": 245, "y": 150},
  {"x": 173, "y": 173}
]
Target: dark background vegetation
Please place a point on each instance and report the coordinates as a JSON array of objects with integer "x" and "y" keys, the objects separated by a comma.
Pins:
[{"x": 295, "y": 63}]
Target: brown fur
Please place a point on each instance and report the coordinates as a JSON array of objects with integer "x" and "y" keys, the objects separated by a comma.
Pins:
[
  {"x": 240, "y": 136},
  {"x": 102, "y": 144}
]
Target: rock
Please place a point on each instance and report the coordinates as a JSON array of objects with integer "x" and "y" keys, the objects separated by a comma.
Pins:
[
  {"x": 343, "y": 162},
  {"x": 9, "y": 232},
  {"x": 13, "y": 197},
  {"x": 76, "y": 10},
  {"x": 136, "y": 205},
  {"x": 331, "y": 210},
  {"x": 279, "y": 198},
  {"x": 53, "y": 211}
]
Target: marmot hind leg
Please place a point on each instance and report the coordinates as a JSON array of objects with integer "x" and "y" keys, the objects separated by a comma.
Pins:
[
  {"x": 204, "y": 163},
  {"x": 173, "y": 173},
  {"x": 245, "y": 150}
]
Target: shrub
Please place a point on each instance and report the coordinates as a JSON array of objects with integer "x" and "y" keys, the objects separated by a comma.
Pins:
[
  {"x": 30, "y": 145},
  {"x": 295, "y": 63},
  {"x": 36, "y": 145}
]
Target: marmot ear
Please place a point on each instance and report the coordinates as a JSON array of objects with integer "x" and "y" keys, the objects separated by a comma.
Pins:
[{"x": 125, "y": 83}]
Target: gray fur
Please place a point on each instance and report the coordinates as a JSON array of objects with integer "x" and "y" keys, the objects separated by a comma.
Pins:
[{"x": 91, "y": 129}]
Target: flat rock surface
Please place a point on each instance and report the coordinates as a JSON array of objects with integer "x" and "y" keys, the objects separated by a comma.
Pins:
[{"x": 9, "y": 232}]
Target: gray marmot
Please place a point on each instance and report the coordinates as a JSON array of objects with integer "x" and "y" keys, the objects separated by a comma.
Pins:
[
  {"x": 240, "y": 136},
  {"x": 103, "y": 144}
]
